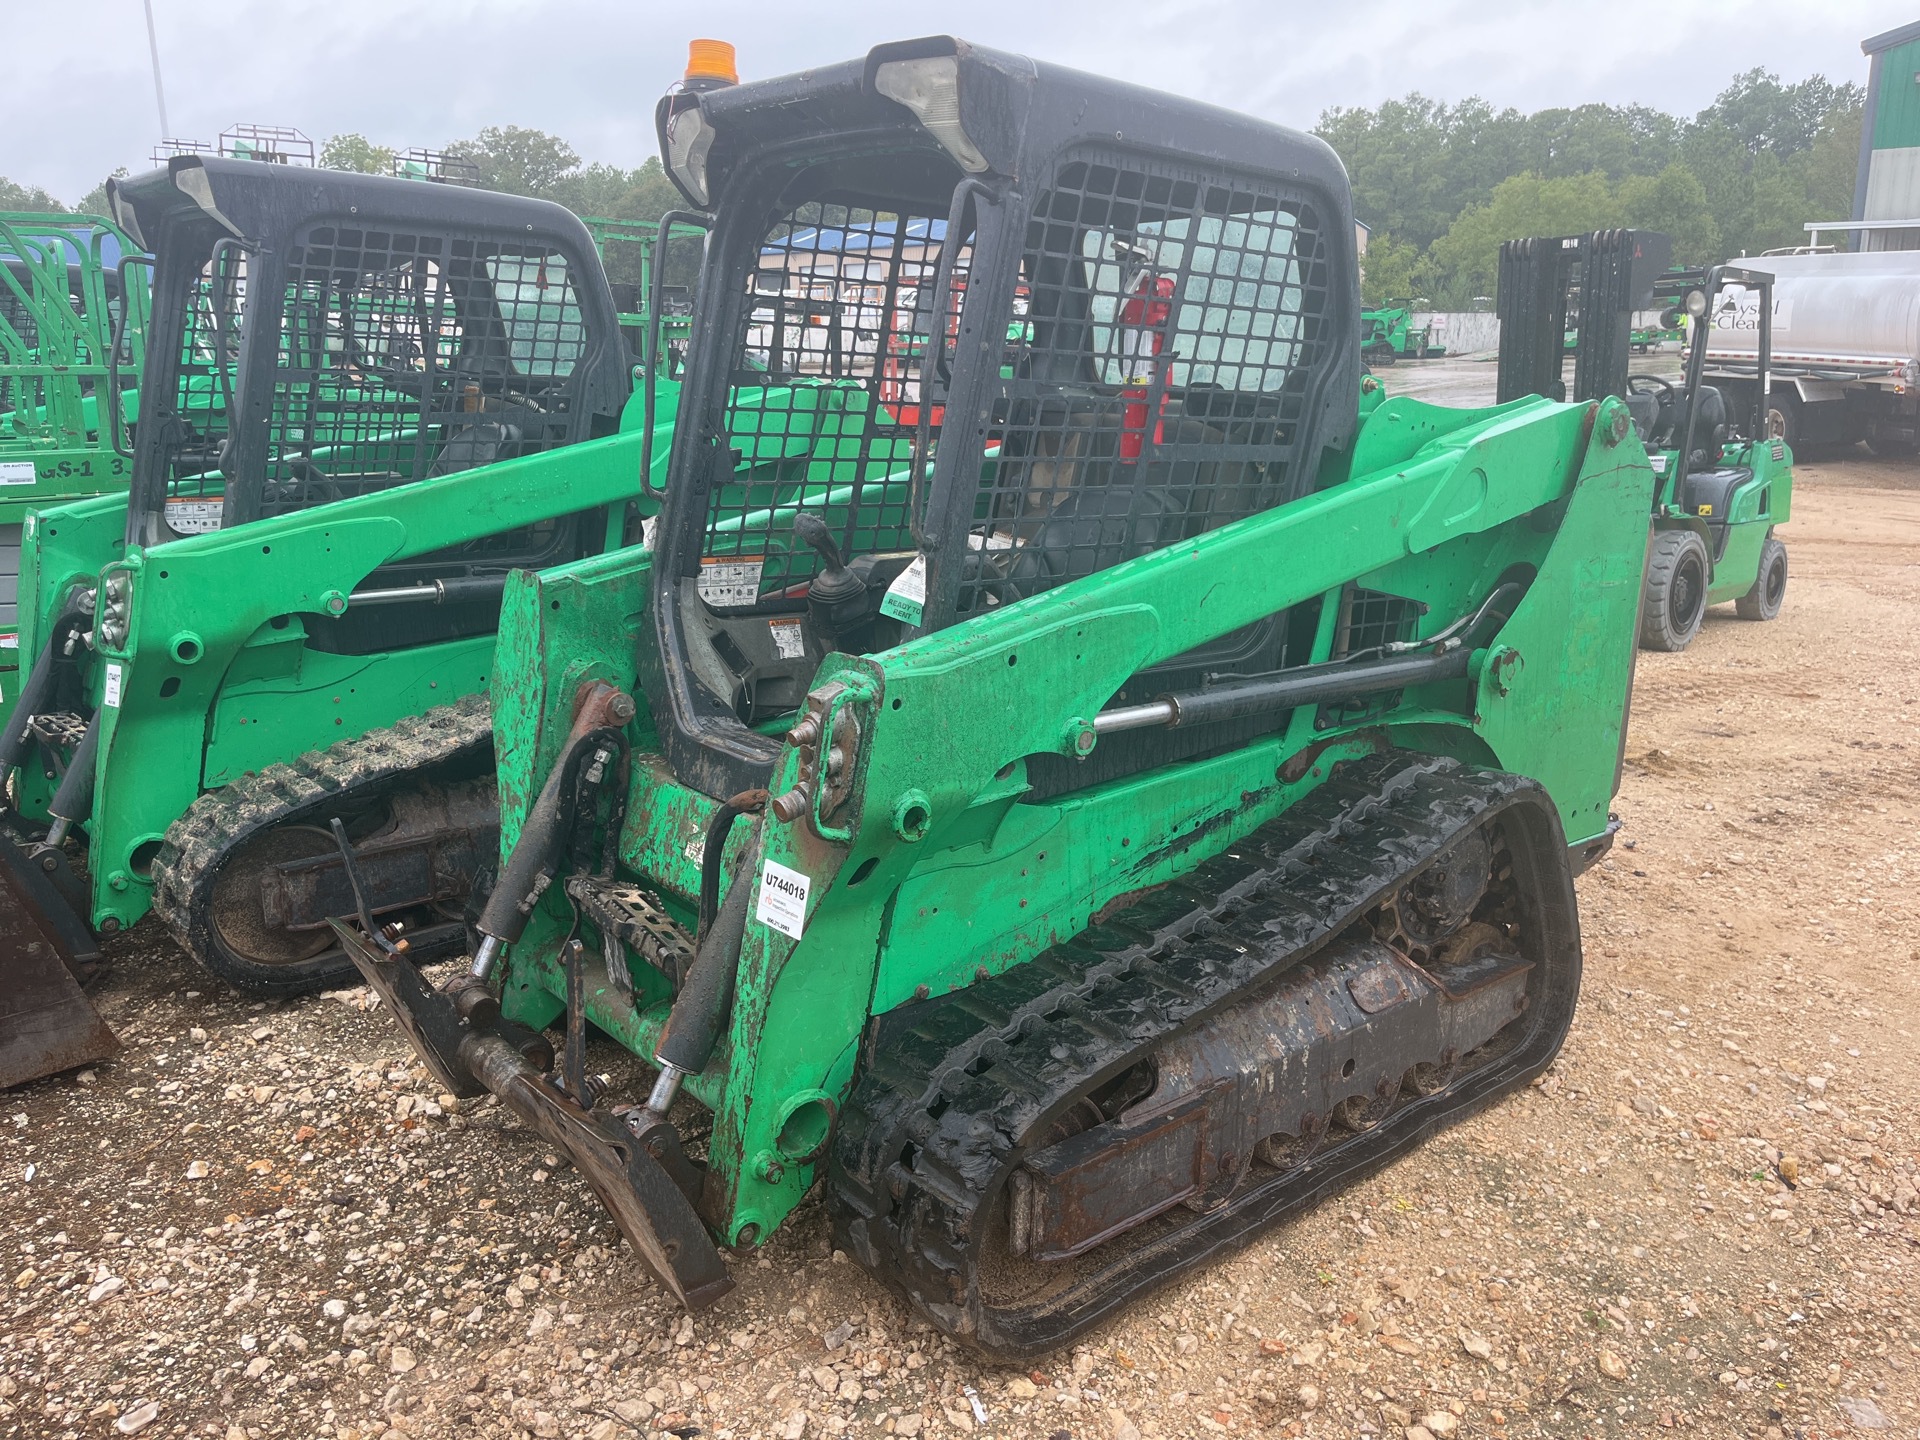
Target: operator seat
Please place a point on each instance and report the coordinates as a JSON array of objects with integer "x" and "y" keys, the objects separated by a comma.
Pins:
[
  {"x": 1709, "y": 429},
  {"x": 1644, "y": 409},
  {"x": 471, "y": 445}
]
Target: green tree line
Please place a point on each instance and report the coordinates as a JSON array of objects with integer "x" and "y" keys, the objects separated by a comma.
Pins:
[
  {"x": 1442, "y": 185},
  {"x": 515, "y": 160},
  {"x": 32, "y": 200},
  {"x": 520, "y": 161}
]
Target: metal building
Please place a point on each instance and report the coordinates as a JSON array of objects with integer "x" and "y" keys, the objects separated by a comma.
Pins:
[{"x": 1886, "y": 188}]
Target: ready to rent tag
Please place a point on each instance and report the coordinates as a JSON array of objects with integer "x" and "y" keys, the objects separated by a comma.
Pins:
[
  {"x": 782, "y": 903},
  {"x": 906, "y": 598}
]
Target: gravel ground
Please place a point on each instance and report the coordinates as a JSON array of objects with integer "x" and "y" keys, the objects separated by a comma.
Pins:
[{"x": 262, "y": 1220}]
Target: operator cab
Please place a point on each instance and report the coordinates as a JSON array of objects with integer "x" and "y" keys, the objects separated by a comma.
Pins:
[
  {"x": 1658, "y": 411},
  {"x": 319, "y": 336},
  {"x": 917, "y": 391},
  {"x": 331, "y": 335}
]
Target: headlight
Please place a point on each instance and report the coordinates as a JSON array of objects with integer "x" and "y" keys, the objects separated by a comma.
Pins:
[
  {"x": 930, "y": 88},
  {"x": 689, "y": 138},
  {"x": 1696, "y": 303}
]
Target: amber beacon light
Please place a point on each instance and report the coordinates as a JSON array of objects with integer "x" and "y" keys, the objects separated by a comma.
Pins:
[{"x": 711, "y": 61}]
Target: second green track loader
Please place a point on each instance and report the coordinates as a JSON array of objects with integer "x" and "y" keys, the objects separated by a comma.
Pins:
[{"x": 289, "y": 619}]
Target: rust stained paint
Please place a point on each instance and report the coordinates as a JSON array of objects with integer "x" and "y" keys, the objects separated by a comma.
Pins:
[
  {"x": 1376, "y": 989},
  {"x": 1157, "y": 856}
]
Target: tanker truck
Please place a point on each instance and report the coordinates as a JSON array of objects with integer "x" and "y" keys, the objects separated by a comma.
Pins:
[{"x": 1846, "y": 349}]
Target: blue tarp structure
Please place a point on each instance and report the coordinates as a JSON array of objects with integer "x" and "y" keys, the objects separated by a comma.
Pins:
[
  {"x": 76, "y": 244},
  {"x": 853, "y": 239}
]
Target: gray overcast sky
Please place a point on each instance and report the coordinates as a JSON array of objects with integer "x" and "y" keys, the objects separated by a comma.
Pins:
[{"x": 79, "y": 93}]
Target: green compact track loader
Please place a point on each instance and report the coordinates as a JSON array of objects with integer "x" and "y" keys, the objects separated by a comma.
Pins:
[
  {"x": 1081, "y": 799},
  {"x": 290, "y": 617}
]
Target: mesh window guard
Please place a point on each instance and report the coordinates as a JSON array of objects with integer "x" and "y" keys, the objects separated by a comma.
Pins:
[
  {"x": 406, "y": 356},
  {"x": 826, "y": 395},
  {"x": 209, "y": 351},
  {"x": 400, "y": 357},
  {"x": 1155, "y": 383},
  {"x": 1152, "y": 382}
]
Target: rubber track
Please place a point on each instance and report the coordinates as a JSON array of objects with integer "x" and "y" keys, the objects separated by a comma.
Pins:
[
  {"x": 199, "y": 842},
  {"x": 924, "y": 1144}
]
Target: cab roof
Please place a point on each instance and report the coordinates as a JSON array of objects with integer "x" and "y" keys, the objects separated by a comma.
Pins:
[
  {"x": 253, "y": 199},
  {"x": 1018, "y": 112}
]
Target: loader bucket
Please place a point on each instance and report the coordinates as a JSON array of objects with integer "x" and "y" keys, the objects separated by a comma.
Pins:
[{"x": 46, "y": 1024}]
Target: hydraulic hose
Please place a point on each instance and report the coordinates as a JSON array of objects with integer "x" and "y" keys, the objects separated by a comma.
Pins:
[
  {"x": 33, "y": 700},
  {"x": 72, "y": 803},
  {"x": 537, "y": 853},
  {"x": 705, "y": 1002},
  {"x": 37, "y": 693},
  {"x": 599, "y": 707},
  {"x": 747, "y": 802}
]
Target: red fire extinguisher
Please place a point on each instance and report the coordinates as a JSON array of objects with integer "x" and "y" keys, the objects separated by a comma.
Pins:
[{"x": 1144, "y": 317}]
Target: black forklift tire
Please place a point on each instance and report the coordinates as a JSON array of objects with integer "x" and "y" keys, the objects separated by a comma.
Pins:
[
  {"x": 1762, "y": 602},
  {"x": 1783, "y": 418},
  {"x": 1675, "y": 599}
]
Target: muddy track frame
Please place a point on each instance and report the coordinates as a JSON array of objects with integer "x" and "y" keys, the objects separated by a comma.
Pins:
[
  {"x": 318, "y": 784},
  {"x": 926, "y": 1145}
]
